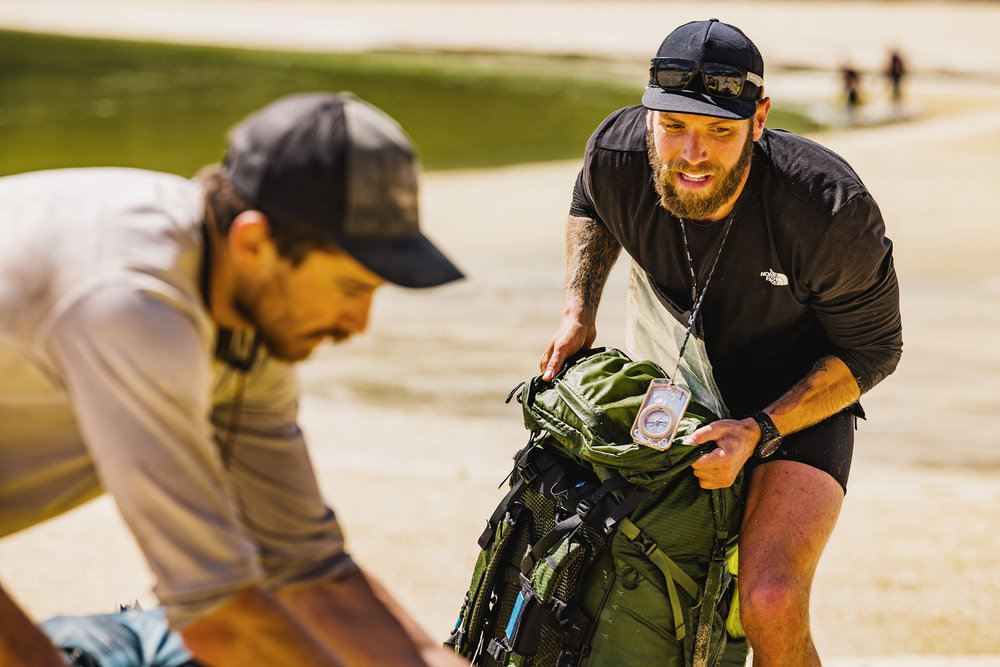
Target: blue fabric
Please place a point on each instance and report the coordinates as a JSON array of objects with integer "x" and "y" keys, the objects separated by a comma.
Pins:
[{"x": 135, "y": 638}]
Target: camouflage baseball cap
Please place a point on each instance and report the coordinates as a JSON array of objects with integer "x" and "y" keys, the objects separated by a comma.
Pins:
[{"x": 345, "y": 167}]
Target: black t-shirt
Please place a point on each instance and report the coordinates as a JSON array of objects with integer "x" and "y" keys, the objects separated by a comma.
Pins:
[{"x": 805, "y": 272}]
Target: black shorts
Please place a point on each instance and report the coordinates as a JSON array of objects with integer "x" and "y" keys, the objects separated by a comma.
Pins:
[{"x": 827, "y": 446}]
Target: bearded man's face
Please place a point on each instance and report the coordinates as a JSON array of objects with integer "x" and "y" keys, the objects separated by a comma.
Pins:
[{"x": 699, "y": 162}]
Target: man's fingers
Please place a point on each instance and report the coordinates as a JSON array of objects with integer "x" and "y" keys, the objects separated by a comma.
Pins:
[
  {"x": 708, "y": 459},
  {"x": 543, "y": 363},
  {"x": 715, "y": 484},
  {"x": 713, "y": 478},
  {"x": 553, "y": 366},
  {"x": 702, "y": 435}
]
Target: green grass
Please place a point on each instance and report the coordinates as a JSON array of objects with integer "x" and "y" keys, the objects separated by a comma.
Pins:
[{"x": 67, "y": 102}]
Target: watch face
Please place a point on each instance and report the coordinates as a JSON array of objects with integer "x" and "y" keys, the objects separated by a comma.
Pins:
[
  {"x": 656, "y": 422},
  {"x": 769, "y": 447}
]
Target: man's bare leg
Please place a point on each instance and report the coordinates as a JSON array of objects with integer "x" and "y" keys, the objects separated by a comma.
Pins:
[{"x": 791, "y": 511}]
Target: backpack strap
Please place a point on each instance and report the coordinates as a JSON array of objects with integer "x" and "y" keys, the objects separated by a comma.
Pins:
[
  {"x": 589, "y": 510},
  {"x": 713, "y": 584},
  {"x": 673, "y": 575},
  {"x": 497, "y": 544},
  {"x": 530, "y": 463}
]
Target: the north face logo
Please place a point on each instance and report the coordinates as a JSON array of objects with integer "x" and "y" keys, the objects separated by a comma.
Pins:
[{"x": 774, "y": 277}]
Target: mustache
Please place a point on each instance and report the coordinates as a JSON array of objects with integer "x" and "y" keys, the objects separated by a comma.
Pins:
[
  {"x": 688, "y": 168},
  {"x": 335, "y": 334}
]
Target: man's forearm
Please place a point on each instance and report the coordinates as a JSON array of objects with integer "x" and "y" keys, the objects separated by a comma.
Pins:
[
  {"x": 591, "y": 252},
  {"x": 22, "y": 643},
  {"x": 255, "y": 628},
  {"x": 359, "y": 620},
  {"x": 826, "y": 390}
]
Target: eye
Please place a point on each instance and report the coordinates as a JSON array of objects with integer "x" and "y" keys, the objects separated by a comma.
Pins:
[
  {"x": 354, "y": 290},
  {"x": 359, "y": 292}
]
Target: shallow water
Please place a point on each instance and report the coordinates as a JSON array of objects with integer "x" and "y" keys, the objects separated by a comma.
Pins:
[{"x": 69, "y": 102}]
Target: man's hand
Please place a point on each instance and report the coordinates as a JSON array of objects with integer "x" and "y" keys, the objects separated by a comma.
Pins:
[
  {"x": 591, "y": 251},
  {"x": 572, "y": 336},
  {"x": 22, "y": 643},
  {"x": 735, "y": 441}
]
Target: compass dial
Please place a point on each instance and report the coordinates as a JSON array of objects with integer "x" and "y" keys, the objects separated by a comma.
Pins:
[{"x": 656, "y": 422}]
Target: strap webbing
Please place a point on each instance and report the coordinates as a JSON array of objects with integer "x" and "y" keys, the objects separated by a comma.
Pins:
[
  {"x": 713, "y": 585},
  {"x": 532, "y": 459},
  {"x": 547, "y": 541},
  {"x": 672, "y": 573},
  {"x": 585, "y": 513},
  {"x": 625, "y": 507},
  {"x": 660, "y": 559}
]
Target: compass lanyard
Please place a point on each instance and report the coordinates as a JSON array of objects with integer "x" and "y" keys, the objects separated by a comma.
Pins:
[{"x": 698, "y": 298}]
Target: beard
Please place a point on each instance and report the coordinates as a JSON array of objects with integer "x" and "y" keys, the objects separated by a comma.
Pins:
[
  {"x": 281, "y": 344},
  {"x": 690, "y": 205}
]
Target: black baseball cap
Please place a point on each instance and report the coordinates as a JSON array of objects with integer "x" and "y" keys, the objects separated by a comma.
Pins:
[
  {"x": 345, "y": 167},
  {"x": 708, "y": 42}
]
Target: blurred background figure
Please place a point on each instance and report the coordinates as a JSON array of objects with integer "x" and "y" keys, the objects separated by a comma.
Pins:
[
  {"x": 894, "y": 71},
  {"x": 852, "y": 91}
]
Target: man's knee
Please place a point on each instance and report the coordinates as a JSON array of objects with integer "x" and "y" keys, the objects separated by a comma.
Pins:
[{"x": 770, "y": 604}]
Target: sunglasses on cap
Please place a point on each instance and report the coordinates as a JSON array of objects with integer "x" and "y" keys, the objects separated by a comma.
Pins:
[{"x": 719, "y": 80}]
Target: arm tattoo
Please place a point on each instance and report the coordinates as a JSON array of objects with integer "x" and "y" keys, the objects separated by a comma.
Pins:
[
  {"x": 827, "y": 389},
  {"x": 591, "y": 252}
]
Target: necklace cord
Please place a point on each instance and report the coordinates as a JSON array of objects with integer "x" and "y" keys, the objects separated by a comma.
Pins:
[{"x": 698, "y": 298}]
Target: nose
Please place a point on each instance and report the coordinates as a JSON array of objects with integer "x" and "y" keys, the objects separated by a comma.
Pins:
[
  {"x": 693, "y": 148},
  {"x": 354, "y": 317}
]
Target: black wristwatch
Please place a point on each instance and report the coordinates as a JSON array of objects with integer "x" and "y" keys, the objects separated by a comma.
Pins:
[{"x": 770, "y": 437}]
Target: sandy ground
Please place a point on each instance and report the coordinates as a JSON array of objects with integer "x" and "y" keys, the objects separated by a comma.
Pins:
[{"x": 409, "y": 429}]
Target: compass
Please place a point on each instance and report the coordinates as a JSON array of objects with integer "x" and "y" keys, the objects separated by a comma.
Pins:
[
  {"x": 660, "y": 413},
  {"x": 656, "y": 422}
]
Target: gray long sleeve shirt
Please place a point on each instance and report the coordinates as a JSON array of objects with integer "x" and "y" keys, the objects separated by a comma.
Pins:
[{"x": 108, "y": 381}]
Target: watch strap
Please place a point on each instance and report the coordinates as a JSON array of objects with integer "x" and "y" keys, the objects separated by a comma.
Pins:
[{"x": 770, "y": 437}]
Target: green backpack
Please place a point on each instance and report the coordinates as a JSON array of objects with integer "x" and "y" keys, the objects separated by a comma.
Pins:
[{"x": 604, "y": 551}]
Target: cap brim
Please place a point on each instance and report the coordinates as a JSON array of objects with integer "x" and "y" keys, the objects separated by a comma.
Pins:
[
  {"x": 409, "y": 262},
  {"x": 688, "y": 101}
]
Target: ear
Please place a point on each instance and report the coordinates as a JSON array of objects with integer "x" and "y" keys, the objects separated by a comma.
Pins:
[
  {"x": 250, "y": 243},
  {"x": 763, "y": 107}
]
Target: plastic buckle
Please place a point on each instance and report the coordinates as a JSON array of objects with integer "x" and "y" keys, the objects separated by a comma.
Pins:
[
  {"x": 719, "y": 545},
  {"x": 584, "y": 507},
  {"x": 567, "y": 658},
  {"x": 561, "y": 612},
  {"x": 498, "y": 650},
  {"x": 457, "y": 638},
  {"x": 644, "y": 543},
  {"x": 487, "y": 536},
  {"x": 528, "y": 472}
]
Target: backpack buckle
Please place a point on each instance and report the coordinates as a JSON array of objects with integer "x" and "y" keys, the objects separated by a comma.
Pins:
[
  {"x": 644, "y": 543},
  {"x": 584, "y": 507},
  {"x": 498, "y": 650},
  {"x": 528, "y": 471}
]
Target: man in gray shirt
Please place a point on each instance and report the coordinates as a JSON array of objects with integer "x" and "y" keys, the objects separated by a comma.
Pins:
[{"x": 148, "y": 329}]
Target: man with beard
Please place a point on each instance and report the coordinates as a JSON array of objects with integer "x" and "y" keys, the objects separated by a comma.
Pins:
[
  {"x": 149, "y": 323},
  {"x": 778, "y": 249}
]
